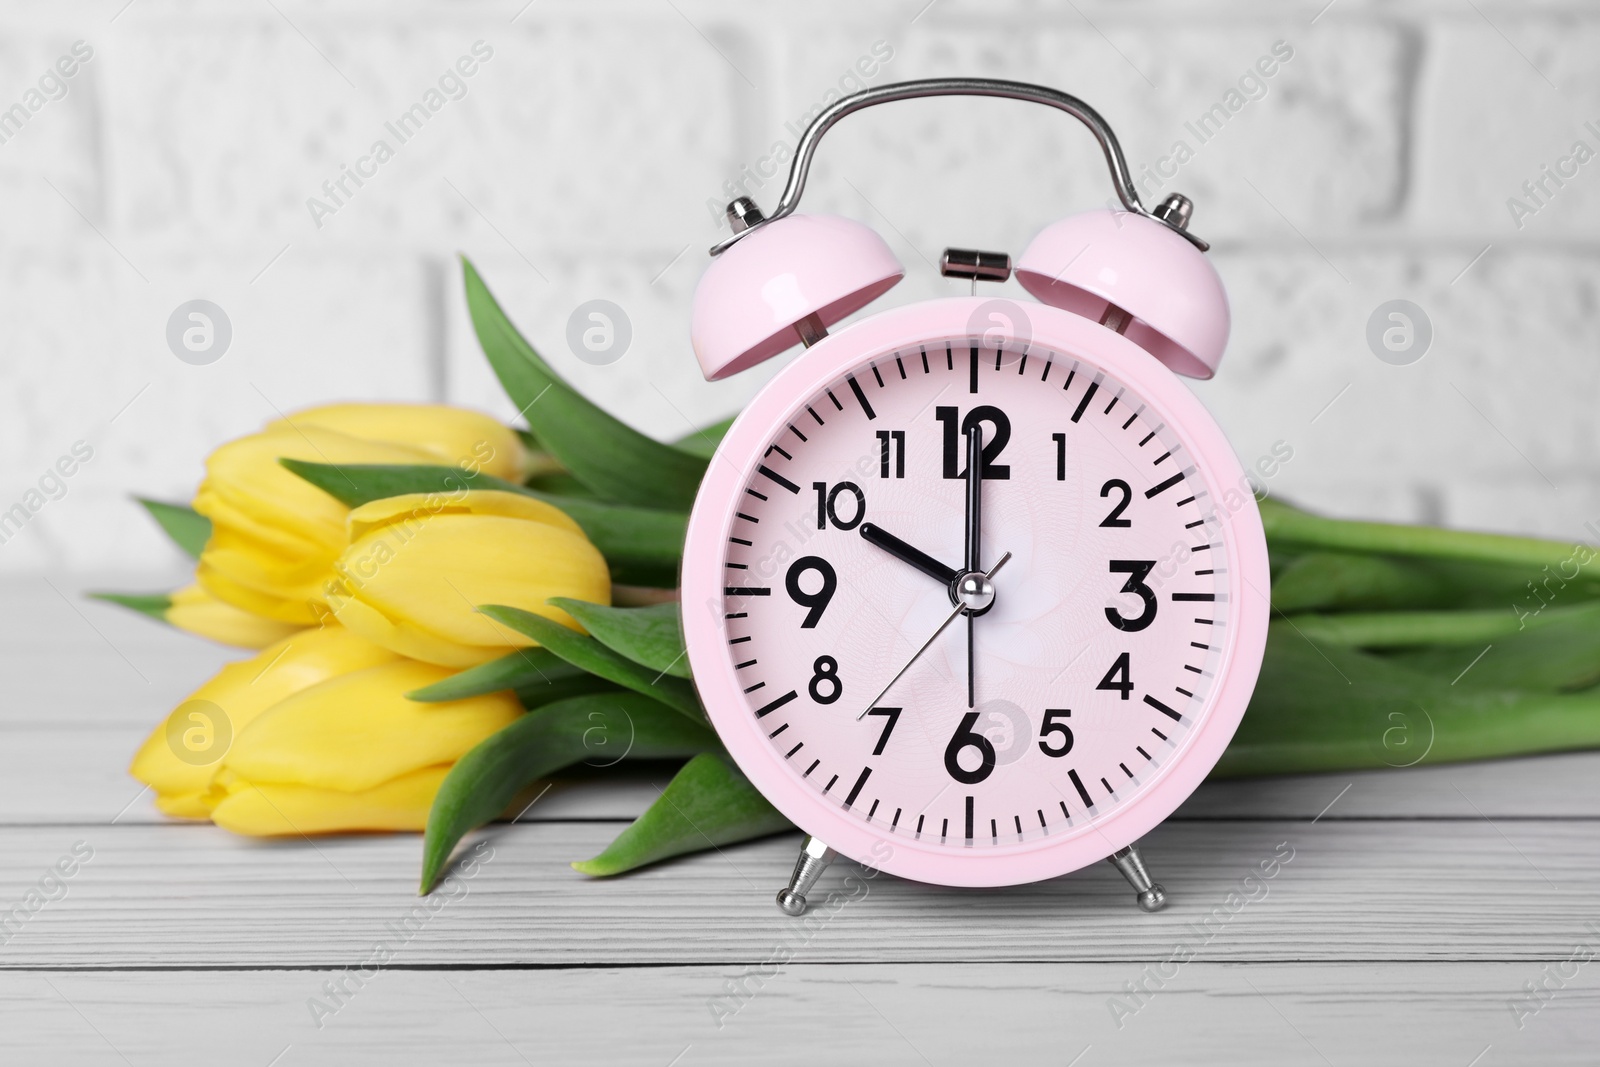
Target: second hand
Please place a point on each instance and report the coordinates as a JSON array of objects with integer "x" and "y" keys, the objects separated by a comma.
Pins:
[{"x": 934, "y": 637}]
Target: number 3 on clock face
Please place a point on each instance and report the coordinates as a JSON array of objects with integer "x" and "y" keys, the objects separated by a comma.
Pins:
[{"x": 1126, "y": 626}]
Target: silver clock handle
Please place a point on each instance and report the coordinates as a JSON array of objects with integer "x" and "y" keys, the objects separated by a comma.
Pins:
[{"x": 1121, "y": 180}]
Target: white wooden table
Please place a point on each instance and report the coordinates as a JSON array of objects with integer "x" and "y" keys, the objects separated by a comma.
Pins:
[{"x": 1417, "y": 908}]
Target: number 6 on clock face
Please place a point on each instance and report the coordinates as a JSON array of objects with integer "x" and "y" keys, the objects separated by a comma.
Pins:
[{"x": 1124, "y": 629}]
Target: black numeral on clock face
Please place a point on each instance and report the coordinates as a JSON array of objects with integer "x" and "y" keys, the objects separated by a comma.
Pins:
[
  {"x": 964, "y": 738},
  {"x": 1115, "y": 519},
  {"x": 828, "y": 505},
  {"x": 1137, "y": 571},
  {"x": 996, "y": 435},
  {"x": 815, "y": 602},
  {"x": 1052, "y": 729},
  {"x": 1118, "y": 679},
  {"x": 891, "y": 443},
  {"x": 825, "y": 685},
  {"x": 890, "y": 717}
]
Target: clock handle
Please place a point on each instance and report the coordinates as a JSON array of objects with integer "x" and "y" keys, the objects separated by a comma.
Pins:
[{"x": 1121, "y": 179}]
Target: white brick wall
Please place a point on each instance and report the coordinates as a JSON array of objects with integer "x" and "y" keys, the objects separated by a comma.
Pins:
[{"x": 1376, "y": 164}]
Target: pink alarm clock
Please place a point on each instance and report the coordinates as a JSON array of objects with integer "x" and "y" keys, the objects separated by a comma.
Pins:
[{"x": 975, "y": 591}]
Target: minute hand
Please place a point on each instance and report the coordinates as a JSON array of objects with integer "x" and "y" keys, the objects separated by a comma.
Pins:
[
  {"x": 943, "y": 626},
  {"x": 974, "y": 542},
  {"x": 974, "y": 497}
]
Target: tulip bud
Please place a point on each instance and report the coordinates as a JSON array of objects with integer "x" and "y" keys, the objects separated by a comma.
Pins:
[
  {"x": 194, "y": 609},
  {"x": 274, "y": 536},
  {"x": 454, "y": 437},
  {"x": 352, "y": 753},
  {"x": 180, "y": 756},
  {"x": 418, "y": 566}
]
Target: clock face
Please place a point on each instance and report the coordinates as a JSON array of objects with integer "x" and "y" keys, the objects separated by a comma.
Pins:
[{"x": 1041, "y": 718}]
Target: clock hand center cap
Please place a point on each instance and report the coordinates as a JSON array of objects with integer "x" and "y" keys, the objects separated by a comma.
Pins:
[{"x": 974, "y": 592}]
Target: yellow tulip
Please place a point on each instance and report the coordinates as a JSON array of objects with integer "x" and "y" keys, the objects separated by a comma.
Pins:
[
  {"x": 351, "y": 754},
  {"x": 275, "y": 809},
  {"x": 180, "y": 756},
  {"x": 455, "y": 437},
  {"x": 419, "y": 565},
  {"x": 274, "y": 535},
  {"x": 194, "y": 609}
]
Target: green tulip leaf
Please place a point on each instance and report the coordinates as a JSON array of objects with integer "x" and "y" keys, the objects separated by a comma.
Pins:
[
  {"x": 584, "y": 651},
  {"x": 154, "y": 605},
  {"x": 707, "y": 805},
  {"x": 538, "y": 694},
  {"x": 530, "y": 667},
  {"x": 188, "y": 529},
  {"x": 602, "y": 728},
  {"x": 1345, "y": 581},
  {"x": 1562, "y": 654},
  {"x": 1288, "y": 526},
  {"x": 1388, "y": 630},
  {"x": 704, "y": 441},
  {"x": 355, "y": 484},
  {"x": 560, "y": 483},
  {"x": 650, "y": 635},
  {"x": 603, "y": 452},
  {"x": 642, "y": 545}
]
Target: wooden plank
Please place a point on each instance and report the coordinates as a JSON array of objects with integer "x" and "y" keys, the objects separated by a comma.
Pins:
[
  {"x": 68, "y": 660},
  {"x": 1014, "y": 1013},
  {"x": 196, "y": 896},
  {"x": 1555, "y": 786}
]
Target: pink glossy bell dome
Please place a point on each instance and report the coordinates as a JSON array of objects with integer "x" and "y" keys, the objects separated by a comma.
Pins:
[
  {"x": 1085, "y": 262},
  {"x": 750, "y": 298}
]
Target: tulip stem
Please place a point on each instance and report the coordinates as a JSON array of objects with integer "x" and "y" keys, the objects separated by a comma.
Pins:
[
  {"x": 642, "y": 596},
  {"x": 1289, "y": 526},
  {"x": 1410, "y": 629}
]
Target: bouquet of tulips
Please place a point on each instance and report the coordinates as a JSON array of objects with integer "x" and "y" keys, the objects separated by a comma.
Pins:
[{"x": 447, "y": 610}]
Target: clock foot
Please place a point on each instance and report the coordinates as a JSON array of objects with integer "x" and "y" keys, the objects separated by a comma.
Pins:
[
  {"x": 1151, "y": 896},
  {"x": 814, "y": 859}
]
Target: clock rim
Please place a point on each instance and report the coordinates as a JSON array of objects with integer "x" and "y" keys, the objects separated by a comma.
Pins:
[{"x": 701, "y": 582}]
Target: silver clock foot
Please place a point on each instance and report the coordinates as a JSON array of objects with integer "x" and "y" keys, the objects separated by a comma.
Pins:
[
  {"x": 1151, "y": 896},
  {"x": 814, "y": 859}
]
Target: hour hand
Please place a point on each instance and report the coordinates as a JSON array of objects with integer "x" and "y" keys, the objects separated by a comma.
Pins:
[{"x": 906, "y": 553}]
